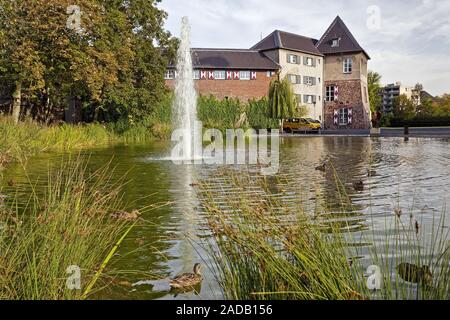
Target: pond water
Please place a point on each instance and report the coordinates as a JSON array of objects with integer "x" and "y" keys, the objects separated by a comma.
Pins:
[{"x": 412, "y": 175}]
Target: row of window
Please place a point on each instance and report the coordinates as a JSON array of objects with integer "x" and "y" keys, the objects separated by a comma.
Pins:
[
  {"x": 309, "y": 81},
  {"x": 307, "y": 98},
  {"x": 307, "y": 61},
  {"x": 219, "y": 75}
]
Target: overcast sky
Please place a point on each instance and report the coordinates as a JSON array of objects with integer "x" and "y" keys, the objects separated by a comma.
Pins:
[{"x": 408, "y": 41}]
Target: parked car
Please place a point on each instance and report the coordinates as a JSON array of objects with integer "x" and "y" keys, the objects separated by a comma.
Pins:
[{"x": 301, "y": 125}]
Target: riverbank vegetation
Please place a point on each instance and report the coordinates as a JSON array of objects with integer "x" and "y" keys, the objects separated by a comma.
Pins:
[
  {"x": 20, "y": 141},
  {"x": 264, "y": 248},
  {"x": 56, "y": 245}
]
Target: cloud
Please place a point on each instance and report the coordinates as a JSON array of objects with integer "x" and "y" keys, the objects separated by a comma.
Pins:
[{"x": 411, "y": 44}]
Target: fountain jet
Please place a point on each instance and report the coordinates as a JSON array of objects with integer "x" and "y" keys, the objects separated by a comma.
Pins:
[{"x": 184, "y": 108}]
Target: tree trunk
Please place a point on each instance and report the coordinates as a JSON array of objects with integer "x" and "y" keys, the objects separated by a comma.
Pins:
[{"x": 17, "y": 101}]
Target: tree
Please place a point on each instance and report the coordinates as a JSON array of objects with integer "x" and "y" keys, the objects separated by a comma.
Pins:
[
  {"x": 418, "y": 87},
  {"x": 114, "y": 62},
  {"x": 404, "y": 108},
  {"x": 282, "y": 101},
  {"x": 374, "y": 87}
]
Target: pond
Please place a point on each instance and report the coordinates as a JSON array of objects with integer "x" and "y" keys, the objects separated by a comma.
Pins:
[{"x": 409, "y": 175}]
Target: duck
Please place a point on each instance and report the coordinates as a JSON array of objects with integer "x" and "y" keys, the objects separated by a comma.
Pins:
[
  {"x": 358, "y": 185},
  {"x": 322, "y": 167},
  {"x": 398, "y": 212},
  {"x": 415, "y": 274},
  {"x": 188, "y": 279}
]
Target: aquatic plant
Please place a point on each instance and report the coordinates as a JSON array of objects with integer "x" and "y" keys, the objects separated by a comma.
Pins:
[
  {"x": 65, "y": 236},
  {"x": 263, "y": 248}
]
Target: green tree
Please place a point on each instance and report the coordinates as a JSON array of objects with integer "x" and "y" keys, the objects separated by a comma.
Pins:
[
  {"x": 114, "y": 62},
  {"x": 404, "y": 108},
  {"x": 374, "y": 87},
  {"x": 282, "y": 101}
]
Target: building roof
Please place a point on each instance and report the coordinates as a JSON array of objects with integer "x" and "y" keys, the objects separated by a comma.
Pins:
[
  {"x": 286, "y": 40},
  {"x": 231, "y": 59},
  {"x": 424, "y": 95},
  {"x": 347, "y": 42}
]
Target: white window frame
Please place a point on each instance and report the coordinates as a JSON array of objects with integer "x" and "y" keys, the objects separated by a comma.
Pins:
[
  {"x": 292, "y": 58},
  {"x": 220, "y": 75},
  {"x": 329, "y": 93},
  {"x": 196, "y": 75},
  {"x": 335, "y": 43},
  {"x": 347, "y": 65},
  {"x": 309, "y": 61},
  {"x": 343, "y": 116},
  {"x": 309, "y": 99},
  {"x": 170, "y": 75},
  {"x": 245, "y": 75},
  {"x": 309, "y": 81},
  {"x": 293, "y": 79}
]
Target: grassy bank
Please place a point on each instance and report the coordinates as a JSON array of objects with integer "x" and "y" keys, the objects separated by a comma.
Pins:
[
  {"x": 73, "y": 225},
  {"x": 19, "y": 141},
  {"x": 265, "y": 249}
]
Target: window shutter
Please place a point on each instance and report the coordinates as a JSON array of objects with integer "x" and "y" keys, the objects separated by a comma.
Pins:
[
  {"x": 336, "y": 116},
  {"x": 229, "y": 75},
  {"x": 305, "y": 60},
  {"x": 299, "y": 79},
  {"x": 202, "y": 74},
  {"x": 314, "y": 99},
  {"x": 236, "y": 75},
  {"x": 211, "y": 75},
  {"x": 336, "y": 93},
  {"x": 299, "y": 59},
  {"x": 305, "y": 80},
  {"x": 350, "y": 116},
  {"x": 314, "y": 81},
  {"x": 253, "y": 75},
  {"x": 314, "y": 62}
]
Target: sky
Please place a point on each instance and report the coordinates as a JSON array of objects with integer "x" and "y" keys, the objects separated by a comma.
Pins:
[{"x": 408, "y": 41}]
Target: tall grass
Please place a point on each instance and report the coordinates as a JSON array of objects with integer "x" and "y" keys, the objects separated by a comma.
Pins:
[
  {"x": 266, "y": 249},
  {"x": 71, "y": 225},
  {"x": 18, "y": 141}
]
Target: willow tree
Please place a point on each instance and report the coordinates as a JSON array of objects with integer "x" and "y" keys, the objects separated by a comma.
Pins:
[{"x": 282, "y": 100}]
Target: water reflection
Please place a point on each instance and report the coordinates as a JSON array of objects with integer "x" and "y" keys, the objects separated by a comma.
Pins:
[{"x": 412, "y": 176}]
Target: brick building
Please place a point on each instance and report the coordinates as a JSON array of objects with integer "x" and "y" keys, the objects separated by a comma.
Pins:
[
  {"x": 230, "y": 73},
  {"x": 329, "y": 76}
]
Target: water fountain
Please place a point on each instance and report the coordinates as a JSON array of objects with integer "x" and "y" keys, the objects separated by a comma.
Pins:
[{"x": 184, "y": 108}]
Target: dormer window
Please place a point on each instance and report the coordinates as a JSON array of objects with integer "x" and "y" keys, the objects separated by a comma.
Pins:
[{"x": 335, "y": 42}]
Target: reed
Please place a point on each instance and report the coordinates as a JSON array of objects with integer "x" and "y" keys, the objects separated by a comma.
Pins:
[
  {"x": 72, "y": 224},
  {"x": 264, "y": 248}
]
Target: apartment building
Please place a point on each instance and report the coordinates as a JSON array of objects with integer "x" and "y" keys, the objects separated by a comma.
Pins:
[
  {"x": 302, "y": 63},
  {"x": 393, "y": 91}
]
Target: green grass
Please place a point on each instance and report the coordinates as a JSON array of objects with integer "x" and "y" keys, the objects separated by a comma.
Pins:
[
  {"x": 71, "y": 225},
  {"x": 19, "y": 141},
  {"x": 265, "y": 249}
]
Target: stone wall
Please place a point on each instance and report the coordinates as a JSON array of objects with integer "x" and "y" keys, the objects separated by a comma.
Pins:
[{"x": 350, "y": 96}]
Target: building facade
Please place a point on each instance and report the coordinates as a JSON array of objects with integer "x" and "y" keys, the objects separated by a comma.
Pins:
[
  {"x": 230, "y": 73},
  {"x": 329, "y": 76},
  {"x": 345, "y": 72},
  {"x": 393, "y": 91},
  {"x": 302, "y": 63}
]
